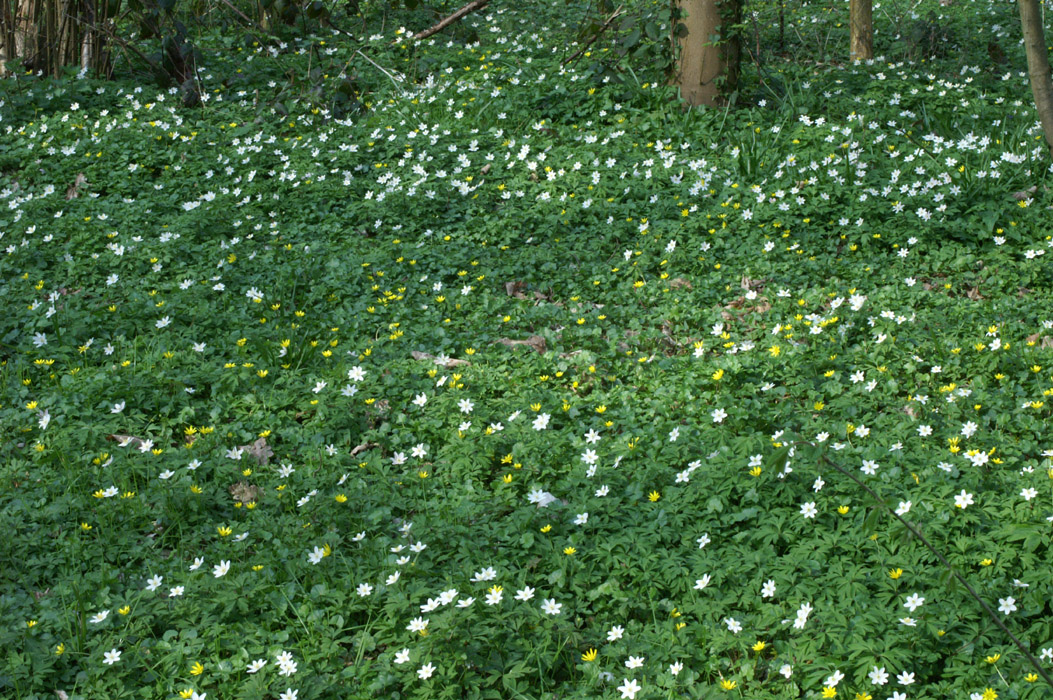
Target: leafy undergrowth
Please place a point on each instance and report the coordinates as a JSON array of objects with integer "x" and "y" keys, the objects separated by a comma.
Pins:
[{"x": 522, "y": 384}]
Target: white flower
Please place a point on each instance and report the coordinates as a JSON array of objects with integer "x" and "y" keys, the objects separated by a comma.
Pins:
[
  {"x": 551, "y": 607},
  {"x": 904, "y": 507},
  {"x": 402, "y": 657},
  {"x": 703, "y": 541},
  {"x": 768, "y": 589},
  {"x": 494, "y": 596},
  {"x": 808, "y": 510},
  {"x": 615, "y": 633},
  {"x": 420, "y": 399},
  {"x": 963, "y": 499},
  {"x": 99, "y": 616},
  {"x": 702, "y": 582},
  {"x": 719, "y": 415},
  {"x": 197, "y": 563},
  {"x": 40, "y": 339},
  {"x": 111, "y": 657},
  {"x": 908, "y": 622},
  {"x": 221, "y": 569},
  {"x": 913, "y": 602},
  {"x": 581, "y": 519},
  {"x": 834, "y": 679},
  {"x": 465, "y": 602},
  {"x": 1006, "y": 605},
  {"x": 256, "y": 665},
  {"x": 1028, "y": 494},
  {"x": 487, "y": 574},
  {"x": 153, "y": 583},
  {"x": 525, "y": 594},
  {"x": 629, "y": 688},
  {"x": 879, "y": 676},
  {"x": 163, "y": 322},
  {"x": 634, "y": 662},
  {"x": 425, "y": 671},
  {"x": 802, "y": 618},
  {"x": 289, "y": 694},
  {"x": 175, "y": 592},
  {"x": 676, "y": 668},
  {"x": 117, "y": 407},
  {"x": 734, "y": 626},
  {"x": 356, "y": 374},
  {"x": 786, "y": 671},
  {"x": 905, "y": 678},
  {"x": 541, "y": 422},
  {"x": 363, "y": 590},
  {"x": 417, "y": 624}
]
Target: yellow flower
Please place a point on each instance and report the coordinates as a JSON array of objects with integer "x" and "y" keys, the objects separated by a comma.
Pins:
[
  {"x": 990, "y": 694},
  {"x": 774, "y": 350},
  {"x": 341, "y": 498},
  {"x": 569, "y": 551},
  {"x": 31, "y": 623},
  {"x": 728, "y": 685},
  {"x": 986, "y": 562},
  {"x": 546, "y": 528},
  {"x": 422, "y": 474},
  {"x": 1031, "y": 677},
  {"x": 718, "y": 375},
  {"x": 507, "y": 478},
  {"x": 186, "y": 693},
  {"x": 125, "y": 610},
  {"x": 842, "y": 509},
  {"x": 759, "y": 646},
  {"x": 85, "y": 527},
  {"x": 829, "y": 692},
  {"x": 895, "y": 573},
  {"x": 197, "y": 669},
  {"x": 654, "y": 496},
  {"x": 993, "y": 658},
  {"x": 60, "y": 650},
  {"x": 756, "y": 471},
  {"x": 223, "y": 530},
  {"x": 589, "y": 655},
  {"x": 864, "y": 696}
]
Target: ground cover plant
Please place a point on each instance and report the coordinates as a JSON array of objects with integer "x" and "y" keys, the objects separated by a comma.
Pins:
[{"x": 442, "y": 369}]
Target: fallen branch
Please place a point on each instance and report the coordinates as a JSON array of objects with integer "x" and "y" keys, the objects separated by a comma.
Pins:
[
  {"x": 467, "y": 9},
  {"x": 943, "y": 560},
  {"x": 604, "y": 27}
]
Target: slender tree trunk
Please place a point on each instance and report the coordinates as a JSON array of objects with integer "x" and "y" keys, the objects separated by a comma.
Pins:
[
  {"x": 708, "y": 68},
  {"x": 1038, "y": 65},
  {"x": 861, "y": 28}
]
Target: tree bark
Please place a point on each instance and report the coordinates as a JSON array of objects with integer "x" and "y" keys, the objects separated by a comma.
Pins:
[
  {"x": 708, "y": 68},
  {"x": 861, "y": 28},
  {"x": 1038, "y": 65}
]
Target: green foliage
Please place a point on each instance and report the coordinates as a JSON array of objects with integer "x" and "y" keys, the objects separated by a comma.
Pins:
[{"x": 385, "y": 324}]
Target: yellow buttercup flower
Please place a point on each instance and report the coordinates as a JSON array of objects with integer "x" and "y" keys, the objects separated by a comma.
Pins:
[
  {"x": 197, "y": 669},
  {"x": 654, "y": 496},
  {"x": 895, "y": 573},
  {"x": 728, "y": 685},
  {"x": 589, "y": 655}
]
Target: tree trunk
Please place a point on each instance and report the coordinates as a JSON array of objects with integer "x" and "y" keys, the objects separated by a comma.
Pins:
[
  {"x": 708, "y": 68},
  {"x": 861, "y": 27},
  {"x": 1038, "y": 65}
]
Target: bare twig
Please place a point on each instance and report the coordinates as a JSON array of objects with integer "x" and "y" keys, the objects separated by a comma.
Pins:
[
  {"x": 467, "y": 9},
  {"x": 943, "y": 560},
  {"x": 592, "y": 39}
]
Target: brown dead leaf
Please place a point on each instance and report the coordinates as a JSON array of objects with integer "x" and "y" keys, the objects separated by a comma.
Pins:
[
  {"x": 973, "y": 293},
  {"x": 259, "y": 451},
  {"x": 363, "y": 447},
  {"x": 244, "y": 492},
  {"x": 449, "y": 362},
  {"x": 535, "y": 341},
  {"x": 74, "y": 190},
  {"x": 909, "y": 410},
  {"x": 485, "y": 170},
  {"x": 1024, "y": 194},
  {"x": 680, "y": 283},
  {"x": 514, "y": 289}
]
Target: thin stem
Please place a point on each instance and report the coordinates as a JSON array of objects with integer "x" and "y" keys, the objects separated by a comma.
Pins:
[{"x": 943, "y": 560}]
